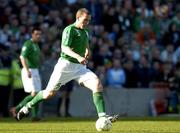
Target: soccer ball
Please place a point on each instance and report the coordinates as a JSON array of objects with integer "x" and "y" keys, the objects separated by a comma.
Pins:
[{"x": 103, "y": 124}]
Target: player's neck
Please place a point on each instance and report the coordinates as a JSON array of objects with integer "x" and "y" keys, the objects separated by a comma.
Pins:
[
  {"x": 78, "y": 25},
  {"x": 34, "y": 40}
]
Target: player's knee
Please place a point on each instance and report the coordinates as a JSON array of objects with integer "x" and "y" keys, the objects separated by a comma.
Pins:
[
  {"x": 98, "y": 85},
  {"x": 100, "y": 88},
  {"x": 48, "y": 94}
]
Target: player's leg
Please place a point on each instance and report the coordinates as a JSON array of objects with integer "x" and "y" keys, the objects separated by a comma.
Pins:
[
  {"x": 67, "y": 98},
  {"x": 63, "y": 102},
  {"x": 35, "y": 113},
  {"x": 36, "y": 80},
  {"x": 97, "y": 90},
  {"x": 67, "y": 103},
  {"x": 95, "y": 85},
  {"x": 16, "y": 109},
  {"x": 64, "y": 97},
  {"x": 35, "y": 109},
  {"x": 89, "y": 80},
  {"x": 51, "y": 89},
  {"x": 41, "y": 95},
  {"x": 68, "y": 90},
  {"x": 18, "y": 96},
  {"x": 29, "y": 87},
  {"x": 59, "y": 103}
]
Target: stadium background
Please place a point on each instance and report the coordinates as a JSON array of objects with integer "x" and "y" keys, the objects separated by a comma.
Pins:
[{"x": 143, "y": 35}]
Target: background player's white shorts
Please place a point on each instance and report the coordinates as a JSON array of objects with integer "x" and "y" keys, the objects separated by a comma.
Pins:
[
  {"x": 32, "y": 84},
  {"x": 65, "y": 71}
]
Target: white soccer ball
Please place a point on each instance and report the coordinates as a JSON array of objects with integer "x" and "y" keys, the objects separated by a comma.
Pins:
[{"x": 103, "y": 124}]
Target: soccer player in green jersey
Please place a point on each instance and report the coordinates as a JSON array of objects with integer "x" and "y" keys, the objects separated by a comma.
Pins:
[
  {"x": 30, "y": 60},
  {"x": 72, "y": 66}
]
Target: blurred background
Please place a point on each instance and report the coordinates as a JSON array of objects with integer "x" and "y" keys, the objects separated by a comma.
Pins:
[{"x": 135, "y": 51}]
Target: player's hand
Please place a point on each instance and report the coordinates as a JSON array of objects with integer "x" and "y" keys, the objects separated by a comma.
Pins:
[
  {"x": 87, "y": 54},
  {"x": 29, "y": 74},
  {"x": 82, "y": 60}
]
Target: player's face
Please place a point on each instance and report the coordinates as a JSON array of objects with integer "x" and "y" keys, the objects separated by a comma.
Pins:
[
  {"x": 84, "y": 19},
  {"x": 36, "y": 36}
]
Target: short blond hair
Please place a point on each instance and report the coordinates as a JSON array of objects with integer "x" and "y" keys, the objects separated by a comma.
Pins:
[{"x": 82, "y": 11}]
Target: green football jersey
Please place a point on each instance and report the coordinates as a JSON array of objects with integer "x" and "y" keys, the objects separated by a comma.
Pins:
[
  {"x": 31, "y": 52},
  {"x": 76, "y": 39}
]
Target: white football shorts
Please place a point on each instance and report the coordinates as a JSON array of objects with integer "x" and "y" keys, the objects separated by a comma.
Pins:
[
  {"x": 32, "y": 84},
  {"x": 65, "y": 71}
]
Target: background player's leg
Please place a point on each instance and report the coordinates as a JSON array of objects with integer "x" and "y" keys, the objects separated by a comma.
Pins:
[
  {"x": 24, "y": 102},
  {"x": 35, "y": 111}
]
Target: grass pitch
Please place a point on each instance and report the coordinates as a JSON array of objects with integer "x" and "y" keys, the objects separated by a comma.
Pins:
[{"x": 82, "y": 125}]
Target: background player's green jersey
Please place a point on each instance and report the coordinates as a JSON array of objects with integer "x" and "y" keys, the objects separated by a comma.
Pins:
[
  {"x": 31, "y": 52},
  {"x": 76, "y": 39}
]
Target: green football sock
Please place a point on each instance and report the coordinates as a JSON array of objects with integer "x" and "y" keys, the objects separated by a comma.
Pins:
[
  {"x": 99, "y": 103},
  {"x": 23, "y": 102},
  {"x": 35, "y": 110},
  {"x": 38, "y": 98}
]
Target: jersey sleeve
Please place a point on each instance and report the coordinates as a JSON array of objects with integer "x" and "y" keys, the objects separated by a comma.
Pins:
[
  {"x": 25, "y": 49},
  {"x": 67, "y": 36}
]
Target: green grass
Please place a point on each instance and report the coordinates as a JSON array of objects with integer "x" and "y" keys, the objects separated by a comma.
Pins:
[{"x": 80, "y": 125}]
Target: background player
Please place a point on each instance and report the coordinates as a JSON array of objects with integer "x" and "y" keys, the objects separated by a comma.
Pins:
[{"x": 30, "y": 60}]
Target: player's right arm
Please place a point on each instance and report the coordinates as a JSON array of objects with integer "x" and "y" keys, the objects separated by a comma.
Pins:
[
  {"x": 65, "y": 47},
  {"x": 24, "y": 53},
  {"x": 24, "y": 64},
  {"x": 71, "y": 53}
]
